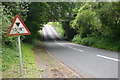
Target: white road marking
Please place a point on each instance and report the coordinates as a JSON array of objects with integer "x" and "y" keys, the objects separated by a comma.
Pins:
[
  {"x": 69, "y": 47},
  {"x": 76, "y": 49},
  {"x": 108, "y": 58},
  {"x": 60, "y": 44},
  {"x": 77, "y": 45}
]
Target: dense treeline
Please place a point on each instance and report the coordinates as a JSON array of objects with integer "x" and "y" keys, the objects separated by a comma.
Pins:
[
  {"x": 93, "y": 24},
  {"x": 98, "y": 25},
  {"x": 44, "y": 12},
  {"x": 34, "y": 15}
]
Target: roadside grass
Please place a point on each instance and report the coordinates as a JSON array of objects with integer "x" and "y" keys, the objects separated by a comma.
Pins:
[
  {"x": 29, "y": 62},
  {"x": 37, "y": 63},
  {"x": 10, "y": 62},
  {"x": 10, "y": 59}
]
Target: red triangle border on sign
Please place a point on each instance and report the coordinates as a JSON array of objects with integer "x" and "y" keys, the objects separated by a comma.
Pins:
[{"x": 18, "y": 34}]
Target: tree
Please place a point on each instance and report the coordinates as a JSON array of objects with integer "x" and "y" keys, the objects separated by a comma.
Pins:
[
  {"x": 45, "y": 12},
  {"x": 98, "y": 24},
  {"x": 9, "y": 10},
  {"x": 86, "y": 21}
]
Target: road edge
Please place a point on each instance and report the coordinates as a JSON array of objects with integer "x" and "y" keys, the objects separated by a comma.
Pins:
[{"x": 71, "y": 70}]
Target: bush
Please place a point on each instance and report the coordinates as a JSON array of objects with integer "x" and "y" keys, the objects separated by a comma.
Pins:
[
  {"x": 108, "y": 44},
  {"x": 89, "y": 41},
  {"x": 37, "y": 43},
  {"x": 99, "y": 42},
  {"x": 77, "y": 39}
]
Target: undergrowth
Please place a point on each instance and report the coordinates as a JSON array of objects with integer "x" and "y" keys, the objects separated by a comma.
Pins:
[{"x": 97, "y": 42}]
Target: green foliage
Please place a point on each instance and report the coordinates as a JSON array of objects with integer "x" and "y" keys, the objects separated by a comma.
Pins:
[
  {"x": 86, "y": 21},
  {"x": 88, "y": 41},
  {"x": 96, "y": 42},
  {"x": 5, "y": 39},
  {"x": 36, "y": 17},
  {"x": 44, "y": 12},
  {"x": 9, "y": 10},
  {"x": 58, "y": 27},
  {"x": 110, "y": 18},
  {"x": 106, "y": 44},
  {"x": 77, "y": 39},
  {"x": 98, "y": 25},
  {"x": 9, "y": 55},
  {"x": 28, "y": 54},
  {"x": 10, "y": 61},
  {"x": 37, "y": 14},
  {"x": 37, "y": 43}
]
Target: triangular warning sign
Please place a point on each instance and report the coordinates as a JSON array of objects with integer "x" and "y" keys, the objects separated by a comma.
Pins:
[{"x": 18, "y": 27}]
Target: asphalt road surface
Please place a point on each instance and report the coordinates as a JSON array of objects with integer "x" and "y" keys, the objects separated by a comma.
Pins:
[{"x": 87, "y": 61}]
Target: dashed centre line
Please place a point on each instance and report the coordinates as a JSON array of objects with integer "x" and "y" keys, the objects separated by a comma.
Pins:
[
  {"x": 70, "y": 47},
  {"x": 76, "y": 49},
  {"x": 108, "y": 58}
]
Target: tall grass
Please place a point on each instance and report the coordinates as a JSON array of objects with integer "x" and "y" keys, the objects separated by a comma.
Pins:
[{"x": 10, "y": 61}]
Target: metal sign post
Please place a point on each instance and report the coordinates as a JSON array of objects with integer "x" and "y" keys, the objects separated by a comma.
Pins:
[
  {"x": 19, "y": 48},
  {"x": 18, "y": 28}
]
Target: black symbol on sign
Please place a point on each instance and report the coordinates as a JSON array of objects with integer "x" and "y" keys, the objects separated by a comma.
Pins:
[
  {"x": 18, "y": 23},
  {"x": 14, "y": 29},
  {"x": 20, "y": 29}
]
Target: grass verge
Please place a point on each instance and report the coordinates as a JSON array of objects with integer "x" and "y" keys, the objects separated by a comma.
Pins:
[{"x": 10, "y": 62}]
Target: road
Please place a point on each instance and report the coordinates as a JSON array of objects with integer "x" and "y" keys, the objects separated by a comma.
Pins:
[{"x": 89, "y": 62}]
